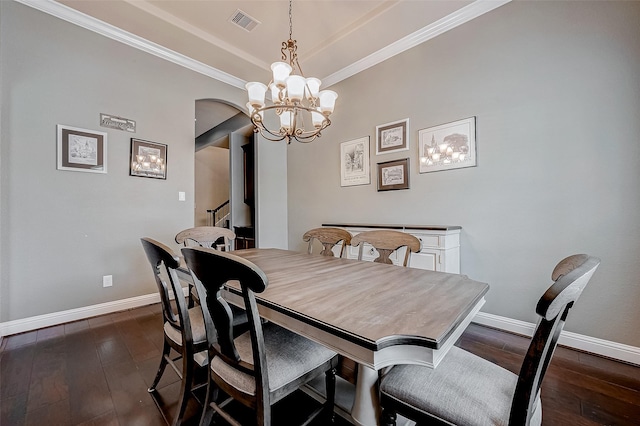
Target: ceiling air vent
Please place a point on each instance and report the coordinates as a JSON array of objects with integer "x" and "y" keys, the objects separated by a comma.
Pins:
[{"x": 243, "y": 20}]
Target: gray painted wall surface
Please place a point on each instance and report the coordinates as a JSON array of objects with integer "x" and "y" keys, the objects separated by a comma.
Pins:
[
  {"x": 62, "y": 231},
  {"x": 555, "y": 89},
  {"x": 211, "y": 181}
]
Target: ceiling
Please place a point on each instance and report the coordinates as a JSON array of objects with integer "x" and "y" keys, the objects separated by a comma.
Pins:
[{"x": 336, "y": 39}]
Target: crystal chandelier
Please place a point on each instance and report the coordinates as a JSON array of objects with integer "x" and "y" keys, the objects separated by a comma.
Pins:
[{"x": 302, "y": 108}]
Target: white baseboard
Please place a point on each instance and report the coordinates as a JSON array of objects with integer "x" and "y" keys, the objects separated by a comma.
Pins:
[
  {"x": 55, "y": 318},
  {"x": 602, "y": 347},
  {"x": 47, "y": 320},
  {"x": 618, "y": 351}
]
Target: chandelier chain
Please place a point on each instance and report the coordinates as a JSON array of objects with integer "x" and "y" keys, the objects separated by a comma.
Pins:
[{"x": 290, "y": 19}]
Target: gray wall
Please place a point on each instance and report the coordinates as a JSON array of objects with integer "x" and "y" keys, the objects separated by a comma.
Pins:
[
  {"x": 211, "y": 181},
  {"x": 555, "y": 89},
  {"x": 62, "y": 231}
]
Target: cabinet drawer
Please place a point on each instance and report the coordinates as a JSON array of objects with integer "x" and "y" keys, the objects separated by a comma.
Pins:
[{"x": 428, "y": 241}]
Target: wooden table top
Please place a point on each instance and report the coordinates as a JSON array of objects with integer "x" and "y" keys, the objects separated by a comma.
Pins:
[{"x": 370, "y": 304}]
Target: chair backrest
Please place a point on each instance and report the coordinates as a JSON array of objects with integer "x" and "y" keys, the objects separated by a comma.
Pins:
[
  {"x": 386, "y": 242},
  {"x": 211, "y": 269},
  {"x": 570, "y": 277},
  {"x": 162, "y": 257},
  {"x": 328, "y": 237},
  {"x": 206, "y": 236}
]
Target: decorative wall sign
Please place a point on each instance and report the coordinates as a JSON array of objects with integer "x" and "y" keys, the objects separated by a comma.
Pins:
[
  {"x": 392, "y": 137},
  {"x": 448, "y": 146},
  {"x": 393, "y": 175},
  {"x": 81, "y": 150},
  {"x": 118, "y": 123},
  {"x": 354, "y": 162},
  {"x": 148, "y": 159}
]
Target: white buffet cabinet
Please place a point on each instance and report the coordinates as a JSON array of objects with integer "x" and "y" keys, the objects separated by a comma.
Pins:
[{"x": 439, "y": 245}]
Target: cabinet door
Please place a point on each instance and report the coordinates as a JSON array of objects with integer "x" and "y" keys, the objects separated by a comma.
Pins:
[{"x": 425, "y": 259}]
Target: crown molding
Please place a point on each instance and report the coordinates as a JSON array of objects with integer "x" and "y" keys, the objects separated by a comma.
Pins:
[
  {"x": 80, "y": 19},
  {"x": 467, "y": 13},
  {"x": 461, "y": 16},
  {"x": 197, "y": 32}
]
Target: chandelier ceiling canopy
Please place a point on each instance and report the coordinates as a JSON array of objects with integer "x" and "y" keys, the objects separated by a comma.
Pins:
[{"x": 302, "y": 109}]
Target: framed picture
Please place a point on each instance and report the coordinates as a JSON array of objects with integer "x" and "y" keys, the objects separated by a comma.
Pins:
[
  {"x": 81, "y": 150},
  {"x": 448, "y": 146},
  {"x": 354, "y": 162},
  {"x": 392, "y": 137},
  {"x": 148, "y": 159},
  {"x": 393, "y": 175}
]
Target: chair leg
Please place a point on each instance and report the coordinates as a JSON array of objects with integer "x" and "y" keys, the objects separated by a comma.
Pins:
[
  {"x": 388, "y": 417},
  {"x": 330, "y": 387},
  {"x": 166, "y": 349},
  {"x": 212, "y": 395},
  {"x": 185, "y": 386}
]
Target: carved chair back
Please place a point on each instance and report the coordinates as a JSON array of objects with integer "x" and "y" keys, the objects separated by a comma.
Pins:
[
  {"x": 207, "y": 236},
  {"x": 328, "y": 237},
  {"x": 162, "y": 259},
  {"x": 386, "y": 242}
]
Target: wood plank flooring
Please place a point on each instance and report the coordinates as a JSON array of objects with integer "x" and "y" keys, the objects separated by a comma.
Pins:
[{"x": 96, "y": 372}]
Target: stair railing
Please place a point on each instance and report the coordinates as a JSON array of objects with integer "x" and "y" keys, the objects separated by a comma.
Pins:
[{"x": 220, "y": 215}]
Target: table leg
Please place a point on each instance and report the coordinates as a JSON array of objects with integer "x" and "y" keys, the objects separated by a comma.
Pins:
[{"x": 366, "y": 406}]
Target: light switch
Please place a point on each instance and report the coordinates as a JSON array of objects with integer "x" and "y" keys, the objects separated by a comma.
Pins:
[
  {"x": 107, "y": 281},
  {"x": 181, "y": 196}
]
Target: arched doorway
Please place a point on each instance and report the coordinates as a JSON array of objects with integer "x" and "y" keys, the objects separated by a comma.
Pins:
[{"x": 224, "y": 141}]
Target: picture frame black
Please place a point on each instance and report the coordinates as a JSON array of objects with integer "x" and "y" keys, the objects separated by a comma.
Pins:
[
  {"x": 81, "y": 150},
  {"x": 148, "y": 159},
  {"x": 392, "y": 137},
  {"x": 393, "y": 175}
]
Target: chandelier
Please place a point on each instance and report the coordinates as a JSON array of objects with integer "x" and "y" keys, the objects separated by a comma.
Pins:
[{"x": 301, "y": 107}]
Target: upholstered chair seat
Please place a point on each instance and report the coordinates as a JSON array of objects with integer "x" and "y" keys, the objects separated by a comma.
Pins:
[
  {"x": 198, "y": 331},
  {"x": 302, "y": 355},
  {"x": 464, "y": 390}
]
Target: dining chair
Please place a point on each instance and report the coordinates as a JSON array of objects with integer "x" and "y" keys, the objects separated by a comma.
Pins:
[
  {"x": 207, "y": 236},
  {"x": 329, "y": 238},
  {"x": 386, "y": 242},
  {"x": 263, "y": 365},
  {"x": 184, "y": 328},
  {"x": 468, "y": 390},
  {"x": 214, "y": 237}
]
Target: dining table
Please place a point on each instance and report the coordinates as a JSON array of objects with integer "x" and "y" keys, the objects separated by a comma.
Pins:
[{"x": 376, "y": 314}]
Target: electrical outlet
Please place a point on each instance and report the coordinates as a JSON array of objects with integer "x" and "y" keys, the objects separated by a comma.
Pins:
[
  {"x": 107, "y": 281},
  {"x": 182, "y": 196}
]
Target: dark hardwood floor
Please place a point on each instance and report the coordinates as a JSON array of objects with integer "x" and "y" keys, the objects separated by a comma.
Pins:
[{"x": 96, "y": 372}]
